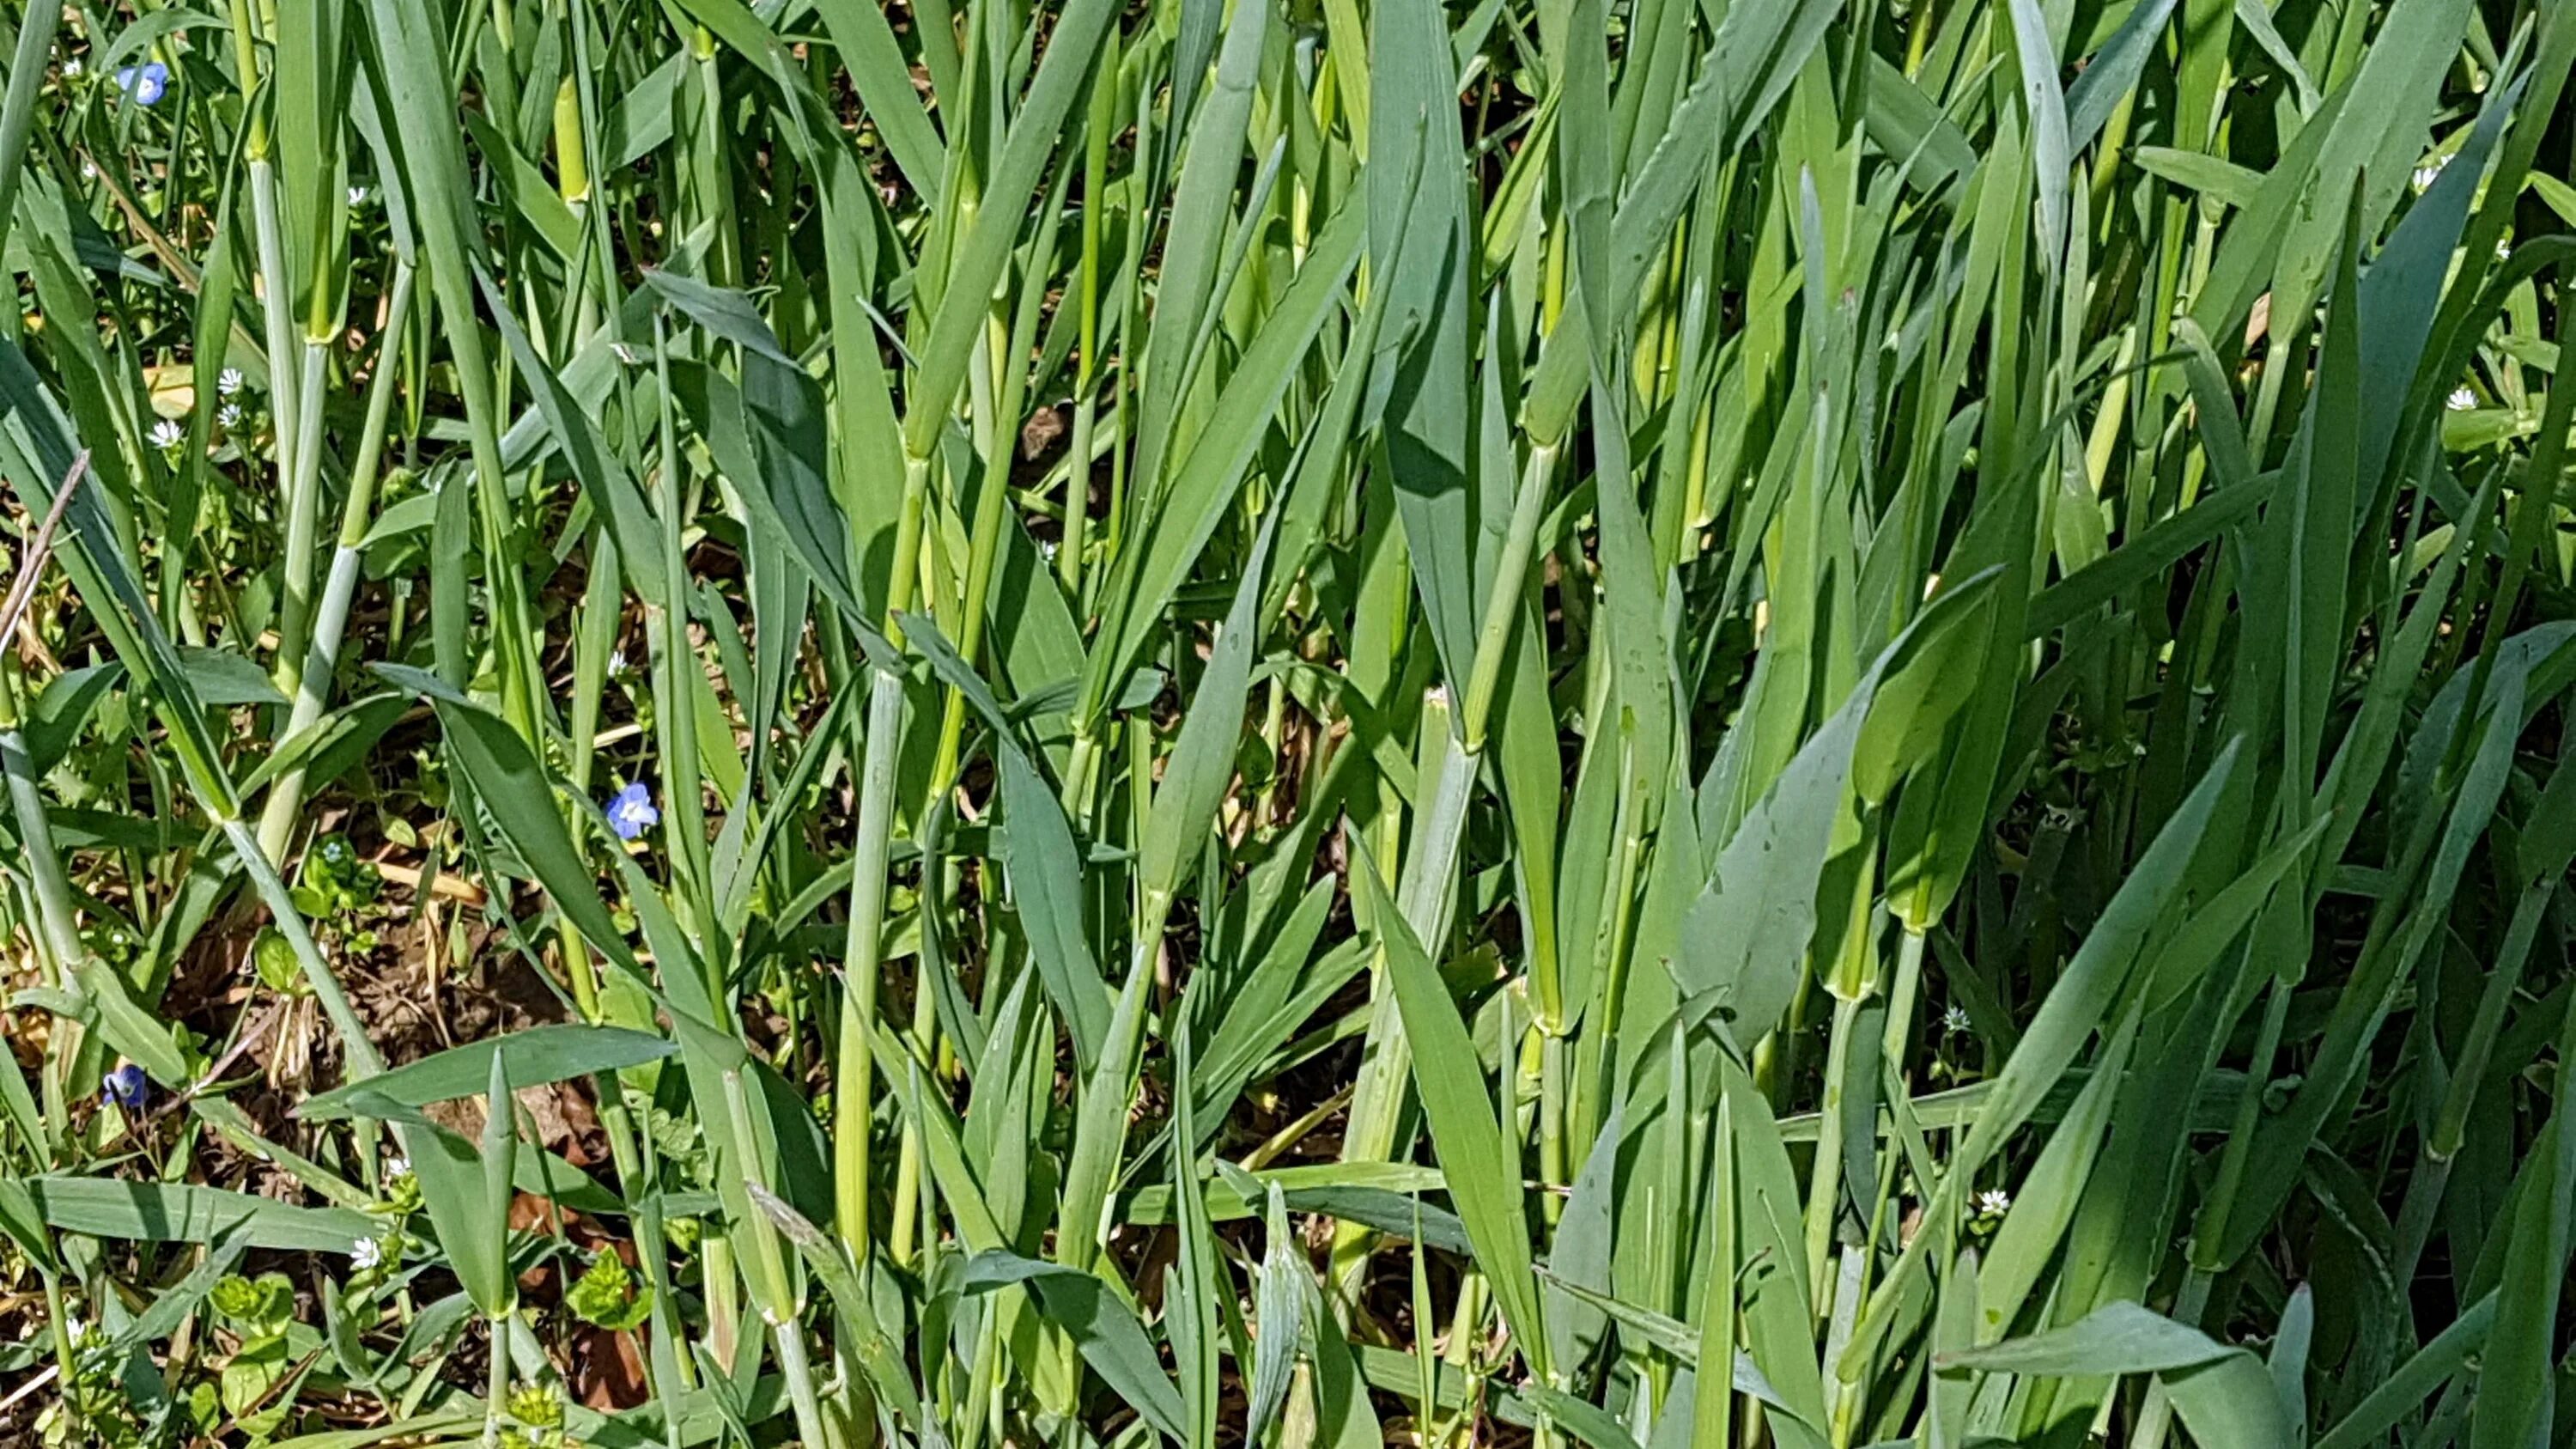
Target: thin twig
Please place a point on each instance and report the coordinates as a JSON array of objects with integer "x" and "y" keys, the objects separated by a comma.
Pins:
[
  {"x": 212, "y": 1076},
  {"x": 30, "y": 1386},
  {"x": 23, "y": 591},
  {"x": 455, "y": 888}
]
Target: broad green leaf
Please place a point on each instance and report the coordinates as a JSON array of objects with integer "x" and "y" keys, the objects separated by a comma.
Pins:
[
  {"x": 155, "y": 1212},
  {"x": 1461, "y": 1114},
  {"x": 541, "y": 1054},
  {"x": 1112, "y": 1341}
]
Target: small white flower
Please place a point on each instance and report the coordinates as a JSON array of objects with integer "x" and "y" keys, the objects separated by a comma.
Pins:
[
  {"x": 228, "y": 381},
  {"x": 167, "y": 434},
  {"x": 2461, "y": 399},
  {"x": 1994, "y": 1202},
  {"x": 357, "y": 197},
  {"x": 2504, "y": 250},
  {"x": 72, "y": 67},
  {"x": 397, "y": 1167},
  {"x": 89, "y": 169},
  {"x": 617, "y": 664},
  {"x": 365, "y": 1253},
  {"x": 2430, "y": 172},
  {"x": 230, "y": 415},
  {"x": 1954, "y": 1020}
]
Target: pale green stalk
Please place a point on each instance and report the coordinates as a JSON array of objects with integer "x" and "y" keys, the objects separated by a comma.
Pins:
[
  {"x": 37, "y": 24},
  {"x": 766, "y": 1268},
  {"x": 1428, "y": 883},
  {"x": 675, "y": 665},
  {"x": 853, "y": 1086},
  {"x": 496, "y": 1383},
  {"x": 59, "y": 943},
  {"x": 56, "y": 910},
  {"x": 1000, "y": 383},
  {"x": 1824, "y": 1180},
  {"x": 276, "y": 300},
  {"x": 1086, "y": 385},
  {"x": 1426, "y": 893},
  {"x": 330, "y": 621},
  {"x": 303, "y": 510}
]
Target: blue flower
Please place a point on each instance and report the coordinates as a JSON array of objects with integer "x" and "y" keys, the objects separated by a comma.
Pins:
[
  {"x": 125, "y": 1087},
  {"x": 145, "y": 83},
  {"x": 631, "y": 813}
]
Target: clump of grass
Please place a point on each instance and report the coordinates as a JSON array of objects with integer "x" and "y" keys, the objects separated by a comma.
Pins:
[{"x": 1759, "y": 723}]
